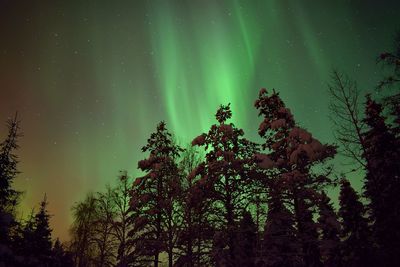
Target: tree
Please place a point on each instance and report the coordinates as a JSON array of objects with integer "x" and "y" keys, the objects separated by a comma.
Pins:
[
  {"x": 225, "y": 174},
  {"x": 103, "y": 228},
  {"x": 122, "y": 224},
  {"x": 154, "y": 196},
  {"x": 280, "y": 245},
  {"x": 195, "y": 230},
  {"x": 34, "y": 245},
  {"x": 293, "y": 153},
  {"x": 42, "y": 233},
  {"x": 329, "y": 230},
  {"x": 247, "y": 241},
  {"x": 346, "y": 117},
  {"x": 8, "y": 171},
  {"x": 60, "y": 257},
  {"x": 82, "y": 231},
  {"x": 382, "y": 185},
  {"x": 355, "y": 247}
]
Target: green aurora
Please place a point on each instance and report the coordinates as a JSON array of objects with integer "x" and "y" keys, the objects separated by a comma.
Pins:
[{"x": 92, "y": 79}]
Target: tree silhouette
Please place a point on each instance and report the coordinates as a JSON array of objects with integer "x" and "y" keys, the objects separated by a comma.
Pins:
[
  {"x": 280, "y": 245},
  {"x": 155, "y": 194},
  {"x": 225, "y": 174},
  {"x": 355, "y": 235},
  {"x": 82, "y": 231},
  {"x": 330, "y": 233},
  {"x": 382, "y": 185},
  {"x": 8, "y": 195},
  {"x": 195, "y": 231},
  {"x": 347, "y": 118},
  {"x": 293, "y": 154}
]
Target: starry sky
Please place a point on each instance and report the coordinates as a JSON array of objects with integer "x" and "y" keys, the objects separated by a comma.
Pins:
[{"x": 91, "y": 79}]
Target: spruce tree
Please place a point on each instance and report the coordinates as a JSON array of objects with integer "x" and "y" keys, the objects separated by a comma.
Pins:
[
  {"x": 154, "y": 196},
  {"x": 293, "y": 152},
  {"x": 330, "y": 233},
  {"x": 8, "y": 171},
  {"x": 280, "y": 245},
  {"x": 382, "y": 185},
  {"x": 42, "y": 234},
  {"x": 355, "y": 235},
  {"x": 225, "y": 173}
]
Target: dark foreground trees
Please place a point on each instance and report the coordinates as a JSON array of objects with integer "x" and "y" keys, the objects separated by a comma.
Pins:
[{"x": 235, "y": 203}]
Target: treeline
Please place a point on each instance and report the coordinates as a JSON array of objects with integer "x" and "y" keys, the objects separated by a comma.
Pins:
[{"x": 229, "y": 201}]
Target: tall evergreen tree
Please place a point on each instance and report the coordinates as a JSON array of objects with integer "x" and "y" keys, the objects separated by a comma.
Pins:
[
  {"x": 154, "y": 196},
  {"x": 355, "y": 235},
  {"x": 293, "y": 152},
  {"x": 225, "y": 173},
  {"x": 330, "y": 233},
  {"x": 42, "y": 233},
  {"x": 8, "y": 171},
  {"x": 382, "y": 185},
  {"x": 280, "y": 246},
  {"x": 34, "y": 247}
]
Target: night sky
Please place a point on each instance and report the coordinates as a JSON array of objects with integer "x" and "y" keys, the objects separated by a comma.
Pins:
[{"x": 91, "y": 79}]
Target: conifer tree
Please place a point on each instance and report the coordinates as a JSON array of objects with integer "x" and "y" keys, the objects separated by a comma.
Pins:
[
  {"x": 280, "y": 246},
  {"x": 293, "y": 152},
  {"x": 42, "y": 233},
  {"x": 382, "y": 185},
  {"x": 8, "y": 172},
  {"x": 329, "y": 231},
  {"x": 154, "y": 196},
  {"x": 356, "y": 242},
  {"x": 34, "y": 247},
  {"x": 225, "y": 174}
]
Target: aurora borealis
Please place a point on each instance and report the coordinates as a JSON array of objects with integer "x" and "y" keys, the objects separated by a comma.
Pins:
[{"x": 91, "y": 79}]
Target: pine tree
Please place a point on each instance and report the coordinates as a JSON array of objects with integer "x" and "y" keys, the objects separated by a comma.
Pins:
[
  {"x": 293, "y": 152},
  {"x": 8, "y": 171},
  {"x": 330, "y": 231},
  {"x": 382, "y": 185},
  {"x": 355, "y": 235},
  {"x": 155, "y": 194},
  {"x": 280, "y": 246},
  {"x": 225, "y": 174},
  {"x": 34, "y": 245},
  {"x": 42, "y": 233}
]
